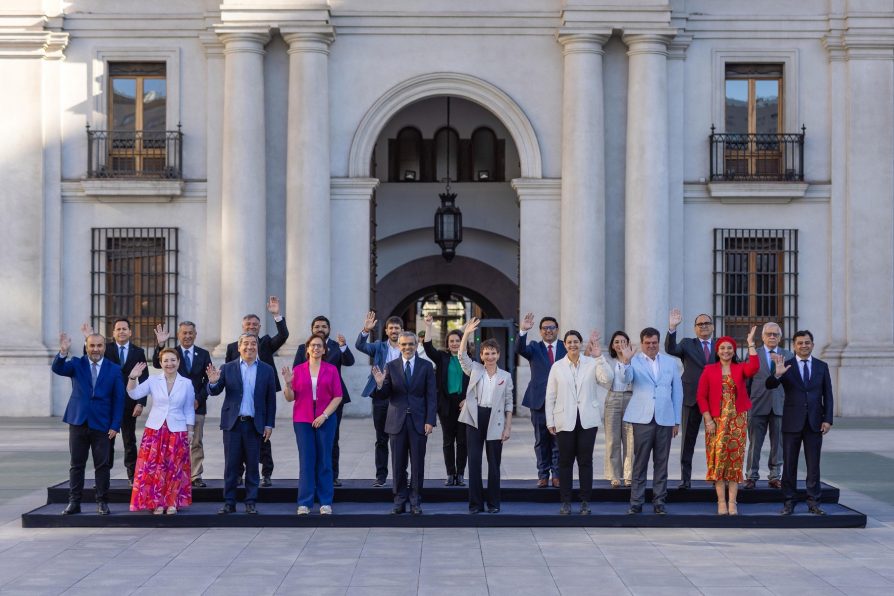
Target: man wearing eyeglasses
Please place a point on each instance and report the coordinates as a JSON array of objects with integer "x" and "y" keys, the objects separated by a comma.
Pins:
[
  {"x": 541, "y": 355},
  {"x": 695, "y": 353},
  {"x": 766, "y": 411}
]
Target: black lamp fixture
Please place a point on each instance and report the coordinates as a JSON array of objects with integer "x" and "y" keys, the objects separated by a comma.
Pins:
[{"x": 448, "y": 217}]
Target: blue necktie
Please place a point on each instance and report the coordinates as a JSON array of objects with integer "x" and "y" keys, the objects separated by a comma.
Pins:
[
  {"x": 188, "y": 360},
  {"x": 407, "y": 374},
  {"x": 95, "y": 373},
  {"x": 806, "y": 374},
  {"x": 121, "y": 355}
]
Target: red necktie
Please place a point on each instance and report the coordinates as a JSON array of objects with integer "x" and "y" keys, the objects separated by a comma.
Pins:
[
  {"x": 707, "y": 351},
  {"x": 549, "y": 351}
]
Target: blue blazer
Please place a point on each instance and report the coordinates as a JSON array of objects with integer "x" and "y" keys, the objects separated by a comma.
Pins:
[
  {"x": 335, "y": 357},
  {"x": 661, "y": 397},
  {"x": 378, "y": 351},
  {"x": 536, "y": 354},
  {"x": 101, "y": 407},
  {"x": 812, "y": 403},
  {"x": 420, "y": 397},
  {"x": 265, "y": 395}
]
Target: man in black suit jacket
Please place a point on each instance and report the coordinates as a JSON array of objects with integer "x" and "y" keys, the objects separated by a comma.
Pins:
[
  {"x": 247, "y": 418},
  {"x": 695, "y": 354},
  {"x": 267, "y": 348},
  {"x": 806, "y": 416},
  {"x": 132, "y": 354},
  {"x": 338, "y": 355},
  {"x": 193, "y": 364},
  {"x": 408, "y": 383}
]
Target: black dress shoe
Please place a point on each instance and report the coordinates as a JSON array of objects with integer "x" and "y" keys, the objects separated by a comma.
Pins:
[
  {"x": 474, "y": 510},
  {"x": 251, "y": 509},
  {"x": 584, "y": 508},
  {"x": 130, "y": 482},
  {"x": 265, "y": 481},
  {"x": 815, "y": 509},
  {"x": 749, "y": 484},
  {"x": 416, "y": 510},
  {"x": 451, "y": 480},
  {"x": 788, "y": 508},
  {"x": 684, "y": 485},
  {"x": 198, "y": 483},
  {"x": 226, "y": 509},
  {"x": 459, "y": 480},
  {"x": 398, "y": 509},
  {"x": 72, "y": 508},
  {"x": 336, "y": 483},
  {"x": 565, "y": 509},
  {"x": 493, "y": 509},
  {"x": 378, "y": 483},
  {"x": 634, "y": 509},
  {"x": 102, "y": 508},
  {"x": 659, "y": 510}
]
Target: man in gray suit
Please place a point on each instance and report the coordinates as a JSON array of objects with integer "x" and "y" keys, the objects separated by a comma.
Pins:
[{"x": 766, "y": 411}]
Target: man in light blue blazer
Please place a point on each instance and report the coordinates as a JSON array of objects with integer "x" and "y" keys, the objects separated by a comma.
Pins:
[{"x": 654, "y": 411}]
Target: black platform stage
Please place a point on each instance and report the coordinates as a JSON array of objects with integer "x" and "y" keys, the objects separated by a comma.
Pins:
[{"x": 358, "y": 504}]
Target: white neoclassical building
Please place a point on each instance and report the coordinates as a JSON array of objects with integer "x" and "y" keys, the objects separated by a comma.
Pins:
[{"x": 184, "y": 159}]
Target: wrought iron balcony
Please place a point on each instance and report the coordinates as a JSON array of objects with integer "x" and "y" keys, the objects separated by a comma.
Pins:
[
  {"x": 757, "y": 157},
  {"x": 145, "y": 154}
]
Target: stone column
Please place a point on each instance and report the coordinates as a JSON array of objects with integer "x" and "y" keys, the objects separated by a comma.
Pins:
[
  {"x": 582, "y": 233},
  {"x": 243, "y": 188},
  {"x": 676, "y": 135},
  {"x": 647, "y": 245},
  {"x": 867, "y": 362},
  {"x": 308, "y": 234}
]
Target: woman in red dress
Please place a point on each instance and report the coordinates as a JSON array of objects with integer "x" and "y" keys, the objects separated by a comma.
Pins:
[
  {"x": 162, "y": 479},
  {"x": 723, "y": 400}
]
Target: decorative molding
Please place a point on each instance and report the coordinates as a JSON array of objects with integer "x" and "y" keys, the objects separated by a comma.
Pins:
[
  {"x": 347, "y": 189},
  {"x": 583, "y": 42},
  {"x": 134, "y": 191},
  {"x": 316, "y": 39},
  {"x": 648, "y": 42},
  {"x": 440, "y": 84},
  {"x": 537, "y": 188},
  {"x": 48, "y": 45},
  {"x": 756, "y": 193}
]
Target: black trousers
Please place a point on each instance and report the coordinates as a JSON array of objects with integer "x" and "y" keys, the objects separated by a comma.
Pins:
[
  {"x": 241, "y": 452},
  {"x": 408, "y": 443},
  {"x": 380, "y": 414},
  {"x": 265, "y": 460},
  {"x": 128, "y": 437},
  {"x": 691, "y": 424},
  {"x": 577, "y": 445},
  {"x": 478, "y": 443},
  {"x": 83, "y": 440},
  {"x": 791, "y": 453},
  {"x": 454, "y": 433},
  {"x": 335, "y": 451}
]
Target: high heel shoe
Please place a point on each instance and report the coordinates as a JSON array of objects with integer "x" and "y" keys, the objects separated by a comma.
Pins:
[
  {"x": 159, "y": 511},
  {"x": 733, "y": 510},
  {"x": 721, "y": 508}
]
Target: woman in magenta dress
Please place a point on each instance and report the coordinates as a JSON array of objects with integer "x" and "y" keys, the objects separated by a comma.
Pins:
[{"x": 162, "y": 479}]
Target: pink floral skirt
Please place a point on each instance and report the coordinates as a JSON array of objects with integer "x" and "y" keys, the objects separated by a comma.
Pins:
[{"x": 162, "y": 477}]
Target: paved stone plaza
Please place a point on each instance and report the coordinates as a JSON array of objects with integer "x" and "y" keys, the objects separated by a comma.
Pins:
[{"x": 858, "y": 457}]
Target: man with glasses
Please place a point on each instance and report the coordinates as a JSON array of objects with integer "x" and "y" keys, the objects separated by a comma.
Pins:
[
  {"x": 541, "y": 355},
  {"x": 766, "y": 411},
  {"x": 695, "y": 353}
]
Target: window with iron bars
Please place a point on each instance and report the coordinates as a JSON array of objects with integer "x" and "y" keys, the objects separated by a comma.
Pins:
[
  {"x": 755, "y": 281},
  {"x": 134, "y": 275}
]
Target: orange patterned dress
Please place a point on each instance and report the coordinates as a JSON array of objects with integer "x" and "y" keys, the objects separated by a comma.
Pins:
[{"x": 726, "y": 448}]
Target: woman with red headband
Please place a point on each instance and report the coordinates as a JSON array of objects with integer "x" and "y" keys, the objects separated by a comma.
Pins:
[{"x": 723, "y": 400}]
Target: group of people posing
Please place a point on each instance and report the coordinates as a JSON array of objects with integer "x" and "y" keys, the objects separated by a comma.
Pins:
[{"x": 643, "y": 404}]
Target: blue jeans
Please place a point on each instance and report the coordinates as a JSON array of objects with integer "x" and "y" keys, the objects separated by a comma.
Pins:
[{"x": 315, "y": 461}]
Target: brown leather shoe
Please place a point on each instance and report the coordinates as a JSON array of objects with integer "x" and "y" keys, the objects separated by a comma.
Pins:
[
  {"x": 555, "y": 483},
  {"x": 749, "y": 484},
  {"x": 542, "y": 483},
  {"x": 775, "y": 484}
]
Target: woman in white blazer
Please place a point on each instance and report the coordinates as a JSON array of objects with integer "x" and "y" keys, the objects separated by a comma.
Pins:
[
  {"x": 162, "y": 478},
  {"x": 618, "y": 434},
  {"x": 574, "y": 414},
  {"x": 487, "y": 414}
]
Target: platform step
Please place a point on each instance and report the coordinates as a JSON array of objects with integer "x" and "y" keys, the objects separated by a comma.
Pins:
[{"x": 451, "y": 514}]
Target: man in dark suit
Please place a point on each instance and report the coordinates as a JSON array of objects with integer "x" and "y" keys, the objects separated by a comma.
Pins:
[
  {"x": 126, "y": 355},
  {"x": 766, "y": 411},
  {"x": 93, "y": 415},
  {"x": 193, "y": 364},
  {"x": 806, "y": 417},
  {"x": 695, "y": 354},
  {"x": 266, "y": 350},
  {"x": 337, "y": 354},
  {"x": 541, "y": 355},
  {"x": 408, "y": 383},
  {"x": 247, "y": 418}
]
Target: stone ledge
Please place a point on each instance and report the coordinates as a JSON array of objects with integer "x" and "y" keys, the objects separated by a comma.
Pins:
[
  {"x": 127, "y": 191},
  {"x": 763, "y": 192}
]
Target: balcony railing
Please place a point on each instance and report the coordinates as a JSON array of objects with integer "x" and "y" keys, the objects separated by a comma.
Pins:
[
  {"x": 757, "y": 157},
  {"x": 135, "y": 154}
]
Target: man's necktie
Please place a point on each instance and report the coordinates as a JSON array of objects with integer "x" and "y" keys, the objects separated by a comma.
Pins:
[
  {"x": 805, "y": 374},
  {"x": 707, "y": 351},
  {"x": 772, "y": 363},
  {"x": 407, "y": 373},
  {"x": 95, "y": 375},
  {"x": 121, "y": 355},
  {"x": 187, "y": 360},
  {"x": 549, "y": 352}
]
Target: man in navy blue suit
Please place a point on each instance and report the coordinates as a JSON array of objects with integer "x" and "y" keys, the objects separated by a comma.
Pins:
[
  {"x": 408, "y": 385},
  {"x": 806, "y": 416},
  {"x": 541, "y": 355},
  {"x": 93, "y": 415},
  {"x": 247, "y": 417}
]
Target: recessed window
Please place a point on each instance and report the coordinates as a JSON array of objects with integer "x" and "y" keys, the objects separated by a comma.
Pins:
[{"x": 446, "y": 155}]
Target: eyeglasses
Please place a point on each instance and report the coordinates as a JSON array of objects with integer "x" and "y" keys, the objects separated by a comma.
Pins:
[
  {"x": 770, "y": 334},
  {"x": 548, "y": 328},
  {"x": 704, "y": 324}
]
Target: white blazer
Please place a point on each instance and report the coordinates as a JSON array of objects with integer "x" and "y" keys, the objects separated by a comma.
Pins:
[
  {"x": 565, "y": 399},
  {"x": 500, "y": 404},
  {"x": 177, "y": 409}
]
